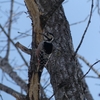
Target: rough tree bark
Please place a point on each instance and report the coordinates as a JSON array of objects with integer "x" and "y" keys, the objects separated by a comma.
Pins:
[{"x": 64, "y": 69}]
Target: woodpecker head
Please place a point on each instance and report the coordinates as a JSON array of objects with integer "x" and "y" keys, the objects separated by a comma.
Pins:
[{"x": 48, "y": 37}]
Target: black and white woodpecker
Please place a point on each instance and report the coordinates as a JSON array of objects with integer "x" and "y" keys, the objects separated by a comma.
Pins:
[{"x": 44, "y": 50}]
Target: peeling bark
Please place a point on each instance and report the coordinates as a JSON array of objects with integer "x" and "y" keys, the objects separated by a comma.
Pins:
[
  {"x": 35, "y": 17},
  {"x": 33, "y": 86}
]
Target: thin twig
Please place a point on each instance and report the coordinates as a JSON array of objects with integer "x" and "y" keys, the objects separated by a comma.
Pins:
[
  {"x": 10, "y": 81},
  {"x": 14, "y": 45},
  {"x": 9, "y": 29},
  {"x": 22, "y": 35},
  {"x": 1, "y": 97},
  {"x": 90, "y": 69},
  {"x": 89, "y": 21},
  {"x": 3, "y": 48},
  {"x": 88, "y": 64},
  {"x": 93, "y": 77},
  {"x": 98, "y": 6},
  {"x": 51, "y": 96},
  {"x": 79, "y": 22}
]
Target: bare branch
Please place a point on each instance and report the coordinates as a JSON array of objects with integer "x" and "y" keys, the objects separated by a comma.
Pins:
[
  {"x": 90, "y": 68},
  {"x": 88, "y": 64},
  {"x": 6, "y": 67},
  {"x": 89, "y": 21},
  {"x": 23, "y": 48},
  {"x": 9, "y": 29},
  {"x": 14, "y": 45},
  {"x": 12, "y": 92}
]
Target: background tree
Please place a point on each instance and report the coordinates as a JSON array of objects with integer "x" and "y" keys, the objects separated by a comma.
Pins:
[{"x": 70, "y": 79}]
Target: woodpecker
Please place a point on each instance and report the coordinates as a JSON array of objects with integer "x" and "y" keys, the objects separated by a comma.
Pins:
[{"x": 44, "y": 50}]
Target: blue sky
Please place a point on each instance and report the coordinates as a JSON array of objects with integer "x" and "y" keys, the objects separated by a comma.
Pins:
[{"x": 75, "y": 11}]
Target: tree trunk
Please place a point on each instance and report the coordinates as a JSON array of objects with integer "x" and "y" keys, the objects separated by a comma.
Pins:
[{"x": 64, "y": 69}]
